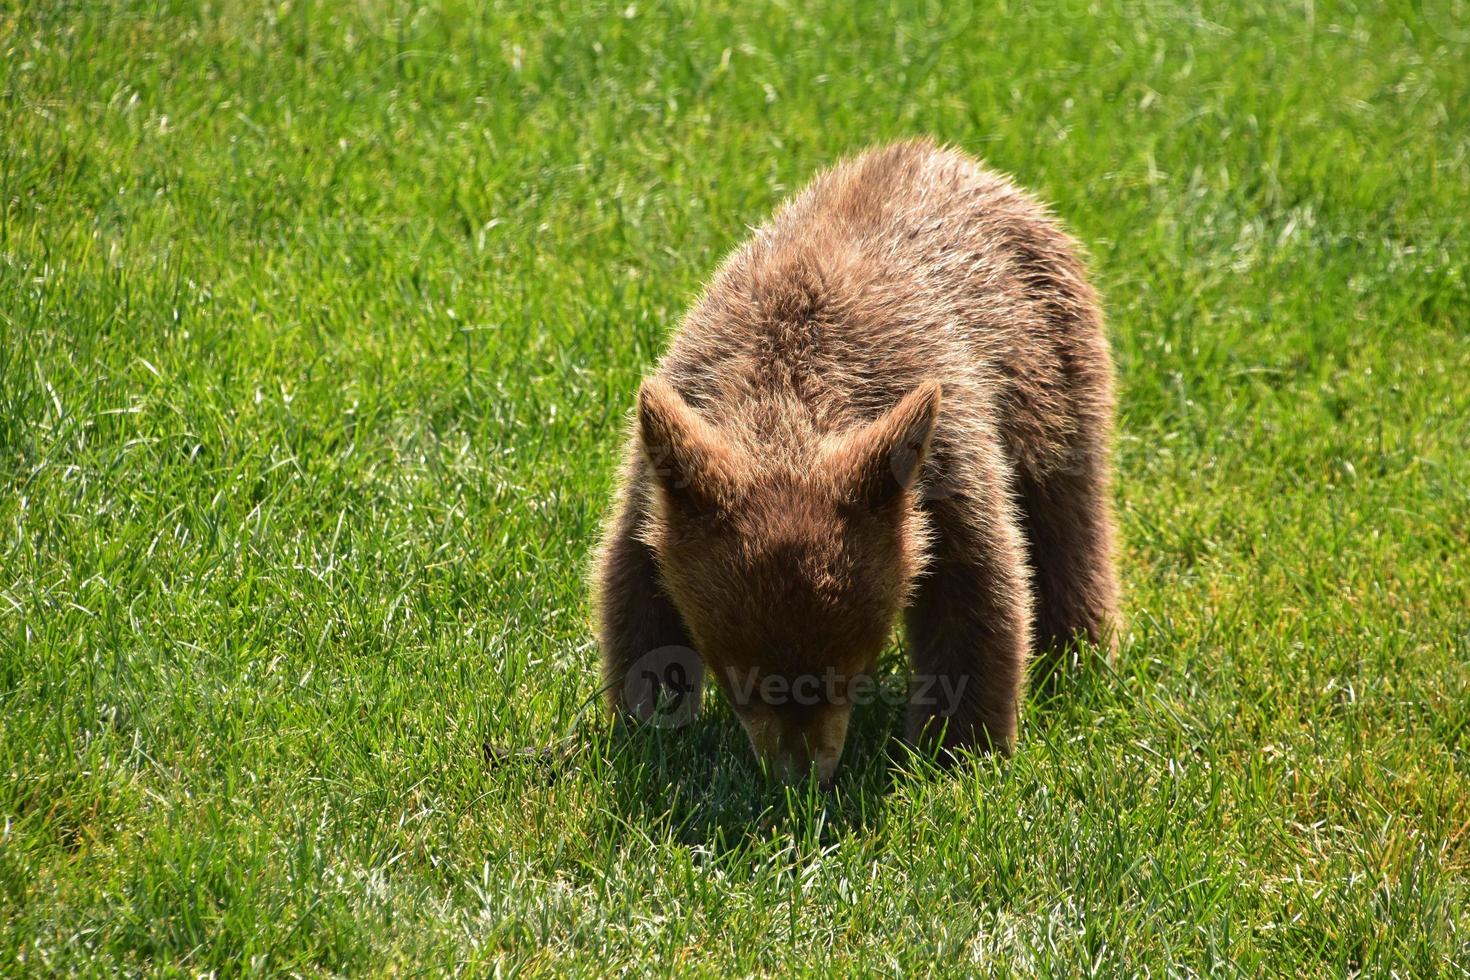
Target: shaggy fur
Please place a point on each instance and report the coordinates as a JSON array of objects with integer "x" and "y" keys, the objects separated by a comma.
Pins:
[{"x": 895, "y": 398}]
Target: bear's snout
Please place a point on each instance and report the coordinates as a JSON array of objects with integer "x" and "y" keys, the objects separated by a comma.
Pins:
[{"x": 794, "y": 744}]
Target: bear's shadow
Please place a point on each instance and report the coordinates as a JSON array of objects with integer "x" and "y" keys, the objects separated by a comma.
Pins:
[{"x": 702, "y": 783}]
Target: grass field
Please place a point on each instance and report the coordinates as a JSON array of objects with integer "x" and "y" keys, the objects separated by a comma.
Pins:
[{"x": 318, "y": 327}]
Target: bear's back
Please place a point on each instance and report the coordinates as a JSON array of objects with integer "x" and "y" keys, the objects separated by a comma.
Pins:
[{"x": 908, "y": 262}]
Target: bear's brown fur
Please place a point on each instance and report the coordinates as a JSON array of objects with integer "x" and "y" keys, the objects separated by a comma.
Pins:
[{"x": 897, "y": 396}]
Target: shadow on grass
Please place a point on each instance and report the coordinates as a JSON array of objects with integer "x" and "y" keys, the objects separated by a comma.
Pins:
[{"x": 700, "y": 784}]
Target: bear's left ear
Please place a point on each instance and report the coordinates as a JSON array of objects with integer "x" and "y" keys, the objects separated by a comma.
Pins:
[{"x": 883, "y": 461}]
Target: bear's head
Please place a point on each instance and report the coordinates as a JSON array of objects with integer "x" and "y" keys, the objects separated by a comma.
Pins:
[{"x": 788, "y": 576}]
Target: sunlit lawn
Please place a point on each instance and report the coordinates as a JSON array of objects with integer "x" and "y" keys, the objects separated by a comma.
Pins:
[{"x": 318, "y": 327}]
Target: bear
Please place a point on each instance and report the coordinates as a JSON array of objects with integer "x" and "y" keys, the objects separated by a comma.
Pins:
[{"x": 893, "y": 401}]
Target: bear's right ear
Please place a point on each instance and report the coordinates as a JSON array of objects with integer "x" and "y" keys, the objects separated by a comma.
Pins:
[{"x": 691, "y": 465}]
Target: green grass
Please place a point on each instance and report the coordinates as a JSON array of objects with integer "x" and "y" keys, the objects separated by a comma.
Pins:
[{"x": 318, "y": 323}]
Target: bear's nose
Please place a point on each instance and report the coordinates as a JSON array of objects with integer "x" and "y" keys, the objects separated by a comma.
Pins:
[
  {"x": 826, "y": 766},
  {"x": 793, "y": 747}
]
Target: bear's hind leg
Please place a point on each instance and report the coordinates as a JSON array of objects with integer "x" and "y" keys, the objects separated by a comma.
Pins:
[{"x": 1070, "y": 538}]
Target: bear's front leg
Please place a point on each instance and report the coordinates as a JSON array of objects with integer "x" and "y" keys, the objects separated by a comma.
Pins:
[
  {"x": 969, "y": 629},
  {"x": 650, "y": 670}
]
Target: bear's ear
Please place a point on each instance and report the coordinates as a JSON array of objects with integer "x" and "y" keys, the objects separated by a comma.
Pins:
[
  {"x": 689, "y": 462},
  {"x": 879, "y": 463}
]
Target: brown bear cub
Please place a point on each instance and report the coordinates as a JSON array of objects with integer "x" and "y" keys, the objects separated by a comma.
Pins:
[{"x": 895, "y": 398}]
